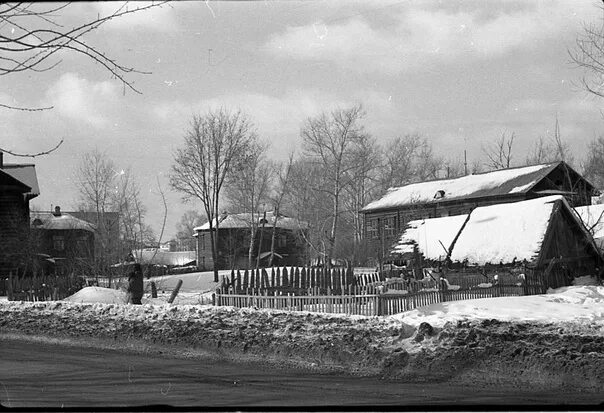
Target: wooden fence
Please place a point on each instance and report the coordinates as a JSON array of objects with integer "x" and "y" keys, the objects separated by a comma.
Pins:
[
  {"x": 42, "y": 288},
  {"x": 374, "y": 304},
  {"x": 335, "y": 280}
]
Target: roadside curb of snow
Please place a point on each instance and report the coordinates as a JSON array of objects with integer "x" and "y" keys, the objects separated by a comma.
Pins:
[{"x": 476, "y": 353}]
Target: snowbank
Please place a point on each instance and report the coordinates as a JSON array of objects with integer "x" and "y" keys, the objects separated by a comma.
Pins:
[{"x": 584, "y": 304}]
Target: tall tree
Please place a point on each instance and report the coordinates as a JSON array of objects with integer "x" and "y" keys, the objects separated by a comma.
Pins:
[
  {"x": 211, "y": 147},
  {"x": 248, "y": 190},
  {"x": 593, "y": 169},
  {"x": 331, "y": 139},
  {"x": 281, "y": 190}
]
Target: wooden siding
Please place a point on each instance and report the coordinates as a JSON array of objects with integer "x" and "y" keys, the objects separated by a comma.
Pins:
[{"x": 14, "y": 225}]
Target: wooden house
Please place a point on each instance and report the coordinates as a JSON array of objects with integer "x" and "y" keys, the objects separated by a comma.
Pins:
[
  {"x": 385, "y": 218},
  {"x": 234, "y": 240},
  {"x": 64, "y": 239},
  {"x": 543, "y": 235},
  {"x": 18, "y": 185}
]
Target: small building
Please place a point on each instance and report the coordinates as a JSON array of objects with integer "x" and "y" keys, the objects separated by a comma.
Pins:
[
  {"x": 234, "y": 240},
  {"x": 64, "y": 239},
  {"x": 543, "y": 234},
  {"x": 385, "y": 218},
  {"x": 18, "y": 185}
]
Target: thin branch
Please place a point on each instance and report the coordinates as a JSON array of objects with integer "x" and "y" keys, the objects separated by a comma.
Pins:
[{"x": 30, "y": 155}]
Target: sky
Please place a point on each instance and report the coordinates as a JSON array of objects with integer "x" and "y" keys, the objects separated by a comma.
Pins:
[{"x": 460, "y": 73}]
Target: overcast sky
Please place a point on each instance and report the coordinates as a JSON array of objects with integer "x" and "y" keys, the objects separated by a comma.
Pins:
[{"x": 458, "y": 72}]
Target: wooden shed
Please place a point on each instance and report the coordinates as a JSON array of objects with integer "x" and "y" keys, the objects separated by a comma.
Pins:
[{"x": 544, "y": 235}]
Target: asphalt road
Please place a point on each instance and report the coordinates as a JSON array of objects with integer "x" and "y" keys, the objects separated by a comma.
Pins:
[{"x": 34, "y": 374}]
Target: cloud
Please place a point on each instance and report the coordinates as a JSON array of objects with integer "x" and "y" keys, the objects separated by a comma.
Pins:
[
  {"x": 160, "y": 18},
  {"x": 419, "y": 37},
  {"x": 82, "y": 100}
]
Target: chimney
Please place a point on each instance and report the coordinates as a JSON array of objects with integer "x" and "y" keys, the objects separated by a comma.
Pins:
[{"x": 57, "y": 212}]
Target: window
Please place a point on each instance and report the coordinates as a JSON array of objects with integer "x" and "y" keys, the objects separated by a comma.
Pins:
[
  {"x": 389, "y": 226},
  {"x": 58, "y": 243},
  {"x": 282, "y": 241},
  {"x": 373, "y": 228},
  {"x": 202, "y": 241}
]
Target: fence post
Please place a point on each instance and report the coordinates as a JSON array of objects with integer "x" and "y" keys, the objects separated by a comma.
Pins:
[{"x": 10, "y": 290}]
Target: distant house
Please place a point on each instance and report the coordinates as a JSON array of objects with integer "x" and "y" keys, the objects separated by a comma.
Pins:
[
  {"x": 18, "y": 185},
  {"x": 385, "y": 218},
  {"x": 64, "y": 239},
  {"x": 234, "y": 234},
  {"x": 542, "y": 233}
]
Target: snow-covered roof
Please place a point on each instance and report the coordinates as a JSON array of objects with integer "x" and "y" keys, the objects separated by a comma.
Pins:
[
  {"x": 49, "y": 221},
  {"x": 593, "y": 218},
  {"x": 505, "y": 232},
  {"x": 433, "y": 237},
  {"x": 160, "y": 257},
  {"x": 501, "y": 233},
  {"x": 244, "y": 220},
  {"x": 502, "y": 182},
  {"x": 25, "y": 174}
]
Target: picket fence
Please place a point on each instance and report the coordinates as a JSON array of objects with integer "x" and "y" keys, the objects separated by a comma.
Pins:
[
  {"x": 335, "y": 280},
  {"x": 379, "y": 304}
]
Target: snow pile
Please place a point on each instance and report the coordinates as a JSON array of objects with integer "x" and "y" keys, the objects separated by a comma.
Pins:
[
  {"x": 583, "y": 304},
  {"x": 98, "y": 295},
  {"x": 195, "y": 282},
  {"x": 465, "y": 186}
]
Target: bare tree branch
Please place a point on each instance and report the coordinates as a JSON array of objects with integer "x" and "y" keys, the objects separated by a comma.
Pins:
[{"x": 32, "y": 155}]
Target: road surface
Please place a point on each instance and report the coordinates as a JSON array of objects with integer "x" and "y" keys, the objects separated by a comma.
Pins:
[{"x": 34, "y": 374}]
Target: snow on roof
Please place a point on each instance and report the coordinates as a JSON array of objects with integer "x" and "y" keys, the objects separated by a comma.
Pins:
[
  {"x": 244, "y": 220},
  {"x": 593, "y": 218},
  {"x": 502, "y": 182},
  {"x": 492, "y": 234},
  {"x": 160, "y": 257},
  {"x": 25, "y": 174},
  {"x": 505, "y": 232},
  {"x": 428, "y": 234},
  {"x": 47, "y": 220}
]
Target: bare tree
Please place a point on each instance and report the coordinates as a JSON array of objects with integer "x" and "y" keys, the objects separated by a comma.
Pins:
[
  {"x": 588, "y": 54},
  {"x": 185, "y": 228},
  {"x": 499, "y": 153},
  {"x": 281, "y": 190},
  {"x": 330, "y": 139},
  {"x": 593, "y": 169},
  {"x": 364, "y": 185},
  {"x": 551, "y": 148},
  {"x": 200, "y": 168},
  {"x": 247, "y": 189},
  {"x": 95, "y": 176},
  {"x": 32, "y": 35}
]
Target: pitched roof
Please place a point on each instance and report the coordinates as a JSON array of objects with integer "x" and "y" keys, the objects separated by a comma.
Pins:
[
  {"x": 49, "y": 221},
  {"x": 501, "y": 182},
  {"x": 25, "y": 174},
  {"x": 244, "y": 220},
  {"x": 501, "y": 233}
]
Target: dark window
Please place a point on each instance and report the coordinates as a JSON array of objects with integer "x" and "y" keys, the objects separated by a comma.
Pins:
[
  {"x": 58, "y": 243},
  {"x": 373, "y": 228}
]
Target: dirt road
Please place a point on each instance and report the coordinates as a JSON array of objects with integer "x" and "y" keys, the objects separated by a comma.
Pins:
[{"x": 34, "y": 374}]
